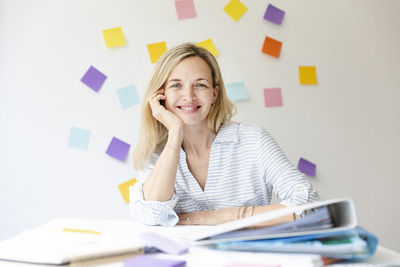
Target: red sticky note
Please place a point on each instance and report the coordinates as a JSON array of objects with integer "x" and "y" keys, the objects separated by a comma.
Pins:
[
  {"x": 273, "y": 97},
  {"x": 185, "y": 9},
  {"x": 272, "y": 47}
]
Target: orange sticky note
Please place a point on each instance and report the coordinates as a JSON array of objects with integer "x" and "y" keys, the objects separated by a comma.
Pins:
[
  {"x": 114, "y": 37},
  {"x": 272, "y": 47},
  {"x": 308, "y": 74},
  {"x": 156, "y": 50},
  {"x": 235, "y": 9},
  {"x": 124, "y": 189},
  {"x": 209, "y": 45}
]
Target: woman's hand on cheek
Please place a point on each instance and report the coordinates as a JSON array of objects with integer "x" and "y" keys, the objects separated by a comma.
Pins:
[{"x": 167, "y": 118}]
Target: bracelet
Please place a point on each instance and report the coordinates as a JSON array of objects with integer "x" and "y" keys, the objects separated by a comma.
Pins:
[
  {"x": 243, "y": 213},
  {"x": 252, "y": 210},
  {"x": 238, "y": 217}
]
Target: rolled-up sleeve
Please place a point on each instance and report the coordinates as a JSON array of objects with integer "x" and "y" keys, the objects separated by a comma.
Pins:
[
  {"x": 291, "y": 186},
  {"x": 151, "y": 212}
]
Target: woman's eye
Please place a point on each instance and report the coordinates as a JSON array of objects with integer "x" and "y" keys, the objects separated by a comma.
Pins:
[
  {"x": 176, "y": 85},
  {"x": 201, "y": 85}
]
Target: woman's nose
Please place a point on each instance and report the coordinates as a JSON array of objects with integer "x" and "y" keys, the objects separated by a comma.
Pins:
[{"x": 188, "y": 94}]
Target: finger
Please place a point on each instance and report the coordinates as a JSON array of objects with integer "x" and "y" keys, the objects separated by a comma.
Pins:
[
  {"x": 158, "y": 92},
  {"x": 157, "y": 98}
]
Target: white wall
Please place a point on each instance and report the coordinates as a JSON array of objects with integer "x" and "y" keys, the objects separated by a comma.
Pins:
[{"x": 348, "y": 124}]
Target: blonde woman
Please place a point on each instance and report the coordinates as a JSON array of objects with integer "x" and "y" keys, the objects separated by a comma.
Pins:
[{"x": 196, "y": 166}]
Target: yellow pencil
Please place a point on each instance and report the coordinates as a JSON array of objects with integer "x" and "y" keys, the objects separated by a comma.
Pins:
[{"x": 81, "y": 231}]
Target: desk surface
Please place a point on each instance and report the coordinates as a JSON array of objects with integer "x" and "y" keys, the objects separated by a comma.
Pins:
[
  {"x": 200, "y": 256},
  {"x": 383, "y": 257}
]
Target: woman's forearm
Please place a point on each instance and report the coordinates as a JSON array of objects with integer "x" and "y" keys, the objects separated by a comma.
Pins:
[
  {"x": 263, "y": 209},
  {"x": 213, "y": 217},
  {"x": 159, "y": 185}
]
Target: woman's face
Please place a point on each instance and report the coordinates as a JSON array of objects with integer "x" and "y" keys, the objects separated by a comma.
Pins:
[{"x": 189, "y": 91}]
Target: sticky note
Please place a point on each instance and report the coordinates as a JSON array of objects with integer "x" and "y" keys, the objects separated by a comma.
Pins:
[
  {"x": 114, "y": 37},
  {"x": 124, "y": 189},
  {"x": 272, "y": 47},
  {"x": 118, "y": 149},
  {"x": 308, "y": 74},
  {"x": 128, "y": 96},
  {"x": 273, "y": 97},
  {"x": 235, "y": 9},
  {"x": 164, "y": 244},
  {"x": 185, "y": 9},
  {"x": 79, "y": 138},
  {"x": 150, "y": 261},
  {"x": 156, "y": 50},
  {"x": 93, "y": 78},
  {"x": 274, "y": 14},
  {"x": 236, "y": 91},
  {"x": 209, "y": 45},
  {"x": 307, "y": 167}
]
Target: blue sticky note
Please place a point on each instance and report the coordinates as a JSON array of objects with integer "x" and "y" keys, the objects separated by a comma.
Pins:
[
  {"x": 79, "y": 138},
  {"x": 237, "y": 91},
  {"x": 128, "y": 96},
  {"x": 148, "y": 261}
]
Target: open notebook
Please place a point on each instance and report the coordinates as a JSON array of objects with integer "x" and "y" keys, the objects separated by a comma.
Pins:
[
  {"x": 44, "y": 245},
  {"x": 322, "y": 217}
]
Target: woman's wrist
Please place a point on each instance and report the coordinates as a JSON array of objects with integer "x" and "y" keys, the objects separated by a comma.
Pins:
[{"x": 175, "y": 137}]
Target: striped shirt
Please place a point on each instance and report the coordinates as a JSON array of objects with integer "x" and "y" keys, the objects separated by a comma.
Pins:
[{"x": 246, "y": 166}]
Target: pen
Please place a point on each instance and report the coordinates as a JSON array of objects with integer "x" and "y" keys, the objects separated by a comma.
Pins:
[{"x": 83, "y": 231}]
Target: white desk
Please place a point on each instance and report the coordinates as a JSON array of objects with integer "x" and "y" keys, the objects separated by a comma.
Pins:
[
  {"x": 383, "y": 257},
  {"x": 199, "y": 256}
]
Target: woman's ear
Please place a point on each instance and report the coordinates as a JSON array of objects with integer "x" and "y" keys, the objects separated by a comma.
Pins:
[{"x": 215, "y": 93}]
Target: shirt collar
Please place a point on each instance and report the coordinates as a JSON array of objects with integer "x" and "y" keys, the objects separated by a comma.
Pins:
[{"x": 228, "y": 133}]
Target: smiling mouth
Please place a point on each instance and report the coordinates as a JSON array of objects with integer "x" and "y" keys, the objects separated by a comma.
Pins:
[{"x": 189, "y": 108}]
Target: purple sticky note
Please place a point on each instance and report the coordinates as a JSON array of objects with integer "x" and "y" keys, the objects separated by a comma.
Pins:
[
  {"x": 164, "y": 244},
  {"x": 148, "y": 261},
  {"x": 93, "y": 78},
  {"x": 118, "y": 149},
  {"x": 307, "y": 167},
  {"x": 185, "y": 9},
  {"x": 274, "y": 14}
]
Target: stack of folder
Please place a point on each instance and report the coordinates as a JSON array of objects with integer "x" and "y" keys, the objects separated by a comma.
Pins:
[{"x": 328, "y": 228}]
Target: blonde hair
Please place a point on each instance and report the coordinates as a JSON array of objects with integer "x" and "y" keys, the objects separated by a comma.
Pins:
[{"x": 153, "y": 134}]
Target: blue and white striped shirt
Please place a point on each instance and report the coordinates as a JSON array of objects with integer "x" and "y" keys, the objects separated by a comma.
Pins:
[{"x": 246, "y": 167}]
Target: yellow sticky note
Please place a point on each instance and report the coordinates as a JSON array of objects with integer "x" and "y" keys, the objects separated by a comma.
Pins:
[
  {"x": 209, "y": 45},
  {"x": 308, "y": 74},
  {"x": 156, "y": 50},
  {"x": 114, "y": 37},
  {"x": 124, "y": 189},
  {"x": 235, "y": 9}
]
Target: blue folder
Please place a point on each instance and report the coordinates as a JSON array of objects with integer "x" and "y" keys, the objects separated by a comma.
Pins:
[{"x": 355, "y": 244}]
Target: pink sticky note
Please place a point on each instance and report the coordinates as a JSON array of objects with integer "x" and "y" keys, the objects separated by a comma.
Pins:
[
  {"x": 273, "y": 97},
  {"x": 185, "y": 9}
]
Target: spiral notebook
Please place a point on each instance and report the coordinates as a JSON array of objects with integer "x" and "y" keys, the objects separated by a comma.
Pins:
[{"x": 58, "y": 247}]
